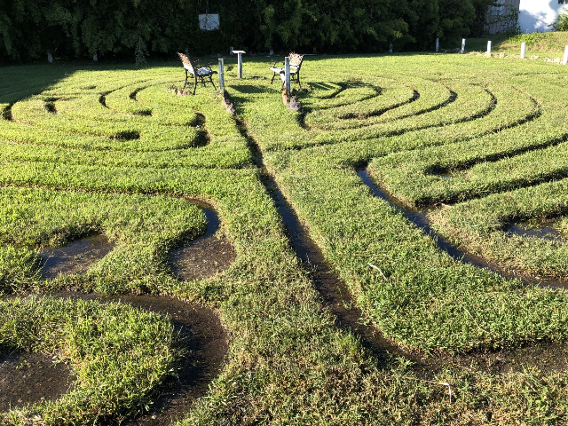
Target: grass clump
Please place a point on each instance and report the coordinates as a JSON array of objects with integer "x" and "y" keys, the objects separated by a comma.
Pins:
[
  {"x": 118, "y": 356},
  {"x": 143, "y": 228}
]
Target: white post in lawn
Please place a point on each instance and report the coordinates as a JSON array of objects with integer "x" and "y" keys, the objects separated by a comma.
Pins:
[
  {"x": 221, "y": 75},
  {"x": 489, "y": 48},
  {"x": 287, "y": 74},
  {"x": 240, "y": 61},
  {"x": 463, "y": 45},
  {"x": 437, "y": 45},
  {"x": 565, "y": 59},
  {"x": 523, "y": 50}
]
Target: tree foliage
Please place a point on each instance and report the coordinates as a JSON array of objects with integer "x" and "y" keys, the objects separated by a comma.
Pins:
[
  {"x": 561, "y": 22},
  {"x": 31, "y": 28}
]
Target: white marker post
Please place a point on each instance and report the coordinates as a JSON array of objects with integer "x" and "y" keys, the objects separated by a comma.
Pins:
[
  {"x": 523, "y": 50},
  {"x": 463, "y": 45},
  {"x": 221, "y": 75},
  {"x": 240, "y": 61},
  {"x": 437, "y": 45},
  {"x": 287, "y": 74},
  {"x": 489, "y": 48},
  {"x": 565, "y": 59}
]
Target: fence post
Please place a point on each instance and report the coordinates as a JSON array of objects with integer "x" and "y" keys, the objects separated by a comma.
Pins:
[
  {"x": 489, "y": 48},
  {"x": 437, "y": 45},
  {"x": 565, "y": 59},
  {"x": 463, "y": 45},
  {"x": 221, "y": 75},
  {"x": 523, "y": 49},
  {"x": 287, "y": 74}
]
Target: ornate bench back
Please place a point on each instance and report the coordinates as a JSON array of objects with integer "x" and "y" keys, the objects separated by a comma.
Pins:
[
  {"x": 296, "y": 60},
  {"x": 186, "y": 62}
]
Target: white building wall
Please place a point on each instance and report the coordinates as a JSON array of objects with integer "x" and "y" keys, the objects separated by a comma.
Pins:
[{"x": 538, "y": 15}]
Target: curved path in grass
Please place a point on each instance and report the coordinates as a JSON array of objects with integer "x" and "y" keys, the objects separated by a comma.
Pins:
[
  {"x": 425, "y": 139},
  {"x": 417, "y": 295},
  {"x": 145, "y": 228}
]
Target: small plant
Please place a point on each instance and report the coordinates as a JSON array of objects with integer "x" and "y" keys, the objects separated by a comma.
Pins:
[
  {"x": 561, "y": 23},
  {"x": 530, "y": 39}
]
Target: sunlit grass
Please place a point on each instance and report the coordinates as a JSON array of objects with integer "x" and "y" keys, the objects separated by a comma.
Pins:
[{"x": 487, "y": 134}]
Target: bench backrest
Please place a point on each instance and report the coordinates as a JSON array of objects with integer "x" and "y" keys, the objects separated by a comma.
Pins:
[
  {"x": 296, "y": 60},
  {"x": 186, "y": 62}
]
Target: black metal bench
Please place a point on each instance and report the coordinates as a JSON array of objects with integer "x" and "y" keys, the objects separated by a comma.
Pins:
[
  {"x": 200, "y": 72},
  {"x": 295, "y": 65}
]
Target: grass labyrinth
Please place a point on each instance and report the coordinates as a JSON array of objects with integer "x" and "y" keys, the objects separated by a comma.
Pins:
[{"x": 477, "y": 144}]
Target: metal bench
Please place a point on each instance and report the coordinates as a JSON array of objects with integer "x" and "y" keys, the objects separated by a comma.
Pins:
[
  {"x": 201, "y": 73},
  {"x": 295, "y": 65}
]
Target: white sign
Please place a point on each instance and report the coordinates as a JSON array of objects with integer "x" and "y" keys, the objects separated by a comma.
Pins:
[{"x": 209, "y": 21}]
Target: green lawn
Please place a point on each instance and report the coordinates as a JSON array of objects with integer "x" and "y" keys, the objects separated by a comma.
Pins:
[
  {"x": 542, "y": 46},
  {"x": 477, "y": 142}
]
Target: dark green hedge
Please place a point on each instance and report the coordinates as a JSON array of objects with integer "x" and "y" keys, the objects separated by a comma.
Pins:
[{"x": 75, "y": 28}]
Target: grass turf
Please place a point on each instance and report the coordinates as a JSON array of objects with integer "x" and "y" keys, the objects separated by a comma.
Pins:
[{"x": 288, "y": 361}]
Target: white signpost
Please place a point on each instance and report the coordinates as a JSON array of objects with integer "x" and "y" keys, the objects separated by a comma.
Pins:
[
  {"x": 221, "y": 75},
  {"x": 240, "y": 61},
  {"x": 287, "y": 74},
  {"x": 208, "y": 21}
]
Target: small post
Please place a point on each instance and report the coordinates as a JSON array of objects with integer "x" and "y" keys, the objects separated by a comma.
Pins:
[
  {"x": 240, "y": 61},
  {"x": 437, "y": 45},
  {"x": 463, "y": 45},
  {"x": 489, "y": 48},
  {"x": 221, "y": 75},
  {"x": 49, "y": 57},
  {"x": 523, "y": 50},
  {"x": 565, "y": 59},
  {"x": 287, "y": 74}
]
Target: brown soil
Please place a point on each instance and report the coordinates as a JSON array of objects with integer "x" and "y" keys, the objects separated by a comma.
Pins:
[
  {"x": 27, "y": 378},
  {"x": 205, "y": 341},
  {"x": 202, "y": 258},
  {"x": 545, "y": 356},
  {"x": 75, "y": 257}
]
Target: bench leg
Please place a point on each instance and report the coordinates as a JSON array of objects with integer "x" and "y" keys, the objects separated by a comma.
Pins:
[
  {"x": 195, "y": 84},
  {"x": 211, "y": 80},
  {"x": 186, "y": 80}
]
